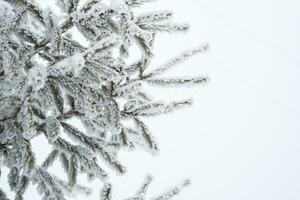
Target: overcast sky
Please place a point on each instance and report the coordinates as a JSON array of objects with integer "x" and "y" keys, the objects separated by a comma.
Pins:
[{"x": 240, "y": 140}]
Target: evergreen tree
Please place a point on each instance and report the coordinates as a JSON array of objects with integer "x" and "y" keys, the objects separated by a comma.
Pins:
[{"x": 47, "y": 77}]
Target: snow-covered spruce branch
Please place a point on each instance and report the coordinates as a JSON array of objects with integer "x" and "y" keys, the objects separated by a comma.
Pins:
[
  {"x": 47, "y": 78},
  {"x": 106, "y": 192}
]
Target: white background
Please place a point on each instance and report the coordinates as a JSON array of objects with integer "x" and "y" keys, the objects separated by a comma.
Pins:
[{"x": 240, "y": 140}]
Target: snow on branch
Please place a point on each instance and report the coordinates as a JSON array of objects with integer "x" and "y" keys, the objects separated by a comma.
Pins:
[
  {"x": 177, "y": 60},
  {"x": 169, "y": 82},
  {"x": 106, "y": 192},
  {"x": 157, "y": 108},
  {"x": 3, "y": 195},
  {"x": 173, "y": 191}
]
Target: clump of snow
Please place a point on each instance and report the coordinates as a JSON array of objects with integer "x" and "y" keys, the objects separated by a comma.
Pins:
[
  {"x": 73, "y": 64},
  {"x": 6, "y": 13},
  {"x": 37, "y": 77},
  {"x": 78, "y": 63},
  {"x": 118, "y": 5}
]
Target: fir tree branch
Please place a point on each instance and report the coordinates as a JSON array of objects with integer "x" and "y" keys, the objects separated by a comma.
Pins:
[
  {"x": 50, "y": 159},
  {"x": 3, "y": 195},
  {"x": 50, "y": 78},
  {"x": 177, "y": 60},
  {"x": 169, "y": 82},
  {"x": 96, "y": 145}
]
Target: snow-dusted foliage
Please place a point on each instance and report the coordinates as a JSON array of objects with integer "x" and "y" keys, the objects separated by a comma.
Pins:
[
  {"x": 48, "y": 78},
  {"x": 106, "y": 192}
]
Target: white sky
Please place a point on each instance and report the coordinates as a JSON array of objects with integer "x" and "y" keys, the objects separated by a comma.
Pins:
[{"x": 240, "y": 140}]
